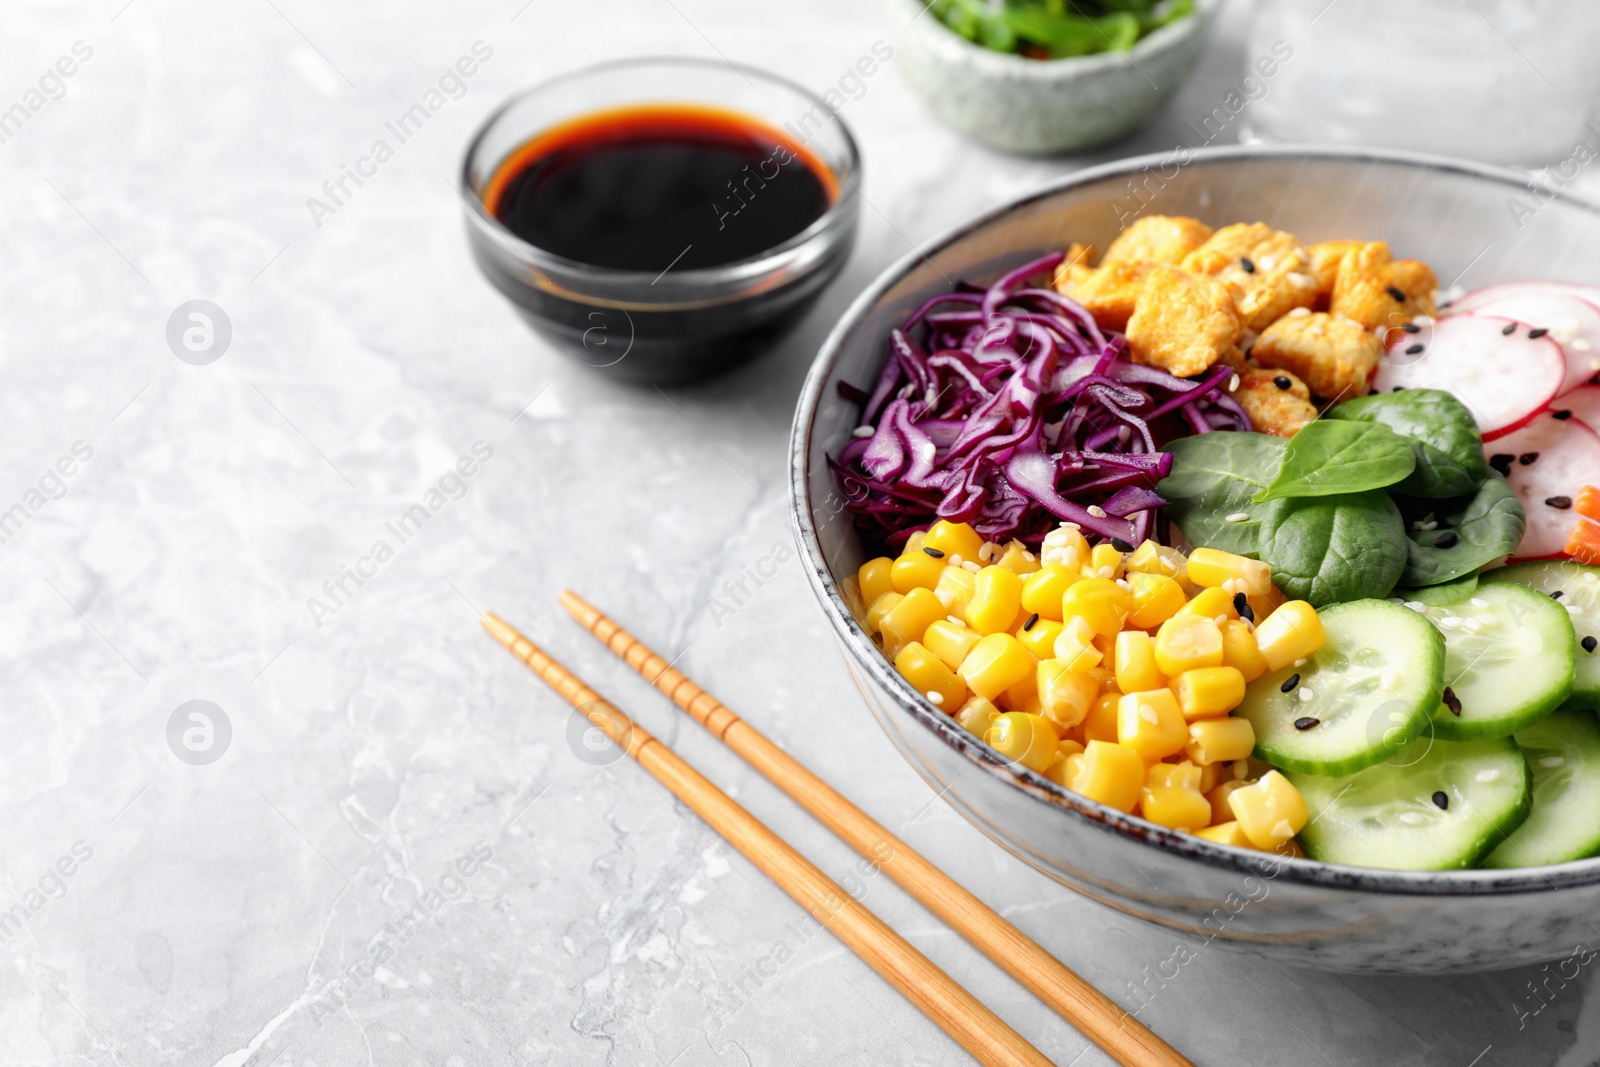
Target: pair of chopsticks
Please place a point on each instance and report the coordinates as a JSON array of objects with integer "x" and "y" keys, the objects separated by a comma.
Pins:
[{"x": 936, "y": 994}]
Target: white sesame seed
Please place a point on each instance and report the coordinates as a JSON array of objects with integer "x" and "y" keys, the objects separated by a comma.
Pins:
[
  {"x": 1451, "y": 622},
  {"x": 1305, "y": 281},
  {"x": 1486, "y": 776},
  {"x": 971, "y": 566},
  {"x": 955, "y": 560},
  {"x": 933, "y": 697},
  {"x": 1106, "y": 572},
  {"x": 1267, "y": 262},
  {"x": 1478, "y": 602},
  {"x": 1233, "y": 383},
  {"x": 1237, "y": 516},
  {"x": 863, "y": 431},
  {"x": 1299, "y": 313},
  {"x": 1423, "y": 320},
  {"x": 1416, "y": 605},
  {"x": 1473, "y": 625},
  {"x": 1097, "y": 511},
  {"x": 1301, "y": 662},
  {"x": 1306, "y": 694}
]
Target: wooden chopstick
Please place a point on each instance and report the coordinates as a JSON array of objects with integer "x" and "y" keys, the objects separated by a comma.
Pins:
[
  {"x": 1094, "y": 1014},
  {"x": 956, "y": 1011}
]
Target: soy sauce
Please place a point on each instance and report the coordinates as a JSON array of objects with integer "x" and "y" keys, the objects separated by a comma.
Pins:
[{"x": 660, "y": 187}]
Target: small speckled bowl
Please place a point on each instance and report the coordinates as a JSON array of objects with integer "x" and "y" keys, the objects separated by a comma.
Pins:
[
  {"x": 1451, "y": 215},
  {"x": 1041, "y": 107}
]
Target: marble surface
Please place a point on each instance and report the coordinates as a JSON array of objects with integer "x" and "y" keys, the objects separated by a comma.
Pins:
[{"x": 401, "y": 852}]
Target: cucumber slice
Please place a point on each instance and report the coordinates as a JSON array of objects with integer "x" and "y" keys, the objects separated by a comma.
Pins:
[
  {"x": 1508, "y": 661},
  {"x": 1579, "y": 587},
  {"x": 1563, "y": 754},
  {"x": 1367, "y": 691},
  {"x": 1389, "y": 816}
]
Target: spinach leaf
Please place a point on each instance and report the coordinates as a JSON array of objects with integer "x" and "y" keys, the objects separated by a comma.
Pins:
[
  {"x": 1445, "y": 438},
  {"x": 1328, "y": 458},
  {"x": 1452, "y": 592},
  {"x": 1471, "y": 531},
  {"x": 1329, "y": 549},
  {"x": 1214, "y": 475}
]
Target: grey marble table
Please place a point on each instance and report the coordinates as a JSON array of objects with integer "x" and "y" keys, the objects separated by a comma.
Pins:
[{"x": 389, "y": 849}]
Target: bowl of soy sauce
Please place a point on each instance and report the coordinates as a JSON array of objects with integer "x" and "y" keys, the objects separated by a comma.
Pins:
[{"x": 665, "y": 219}]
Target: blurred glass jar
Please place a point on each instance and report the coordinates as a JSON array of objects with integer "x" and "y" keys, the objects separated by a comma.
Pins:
[{"x": 1502, "y": 81}]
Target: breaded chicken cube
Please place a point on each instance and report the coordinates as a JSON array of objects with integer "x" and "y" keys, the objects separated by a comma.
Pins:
[
  {"x": 1325, "y": 260},
  {"x": 1333, "y": 356},
  {"x": 1276, "y": 401},
  {"x": 1109, "y": 291},
  {"x": 1158, "y": 239},
  {"x": 1268, "y": 271},
  {"x": 1379, "y": 291},
  {"x": 1184, "y": 322}
]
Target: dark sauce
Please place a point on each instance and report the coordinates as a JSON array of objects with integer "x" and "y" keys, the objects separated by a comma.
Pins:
[{"x": 658, "y": 188}]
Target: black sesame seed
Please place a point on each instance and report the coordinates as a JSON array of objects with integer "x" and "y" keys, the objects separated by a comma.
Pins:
[
  {"x": 1595, "y": 380},
  {"x": 1501, "y": 461},
  {"x": 1452, "y": 701},
  {"x": 1395, "y": 292},
  {"x": 1527, "y": 459},
  {"x": 1510, "y": 329},
  {"x": 1537, "y": 333},
  {"x": 1247, "y": 613},
  {"x": 1563, "y": 415},
  {"x": 1289, "y": 683},
  {"x": 1240, "y": 602},
  {"x": 1411, "y": 327},
  {"x": 1589, "y": 643},
  {"x": 1282, "y": 383},
  {"x": 1561, "y": 503},
  {"x": 934, "y": 552},
  {"x": 1441, "y": 801},
  {"x": 1412, "y": 350},
  {"x": 1031, "y": 620},
  {"x": 1447, "y": 539},
  {"x": 1245, "y": 262},
  {"x": 1398, "y": 389},
  {"x": 1306, "y": 722},
  {"x": 1558, "y": 594},
  {"x": 1120, "y": 545}
]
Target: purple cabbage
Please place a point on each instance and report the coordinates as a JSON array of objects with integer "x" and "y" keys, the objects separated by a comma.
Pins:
[{"x": 1010, "y": 409}]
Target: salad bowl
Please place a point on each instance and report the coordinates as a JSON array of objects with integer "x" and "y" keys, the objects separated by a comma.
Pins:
[{"x": 1477, "y": 226}]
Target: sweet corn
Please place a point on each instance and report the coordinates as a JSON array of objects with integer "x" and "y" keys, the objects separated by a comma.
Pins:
[
  {"x": 915, "y": 570},
  {"x": 1151, "y": 558},
  {"x": 1291, "y": 632},
  {"x": 1135, "y": 662},
  {"x": 1220, "y": 740},
  {"x": 1171, "y": 797},
  {"x": 1100, "y": 602},
  {"x": 930, "y": 676},
  {"x": 1211, "y": 774},
  {"x": 1065, "y": 547},
  {"x": 1043, "y": 589},
  {"x": 1239, "y": 650},
  {"x": 1026, "y": 739},
  {"x": 1105, "y": 561},
  {"x": 954, "y": 589},
  {"x": 1186, "y": 642},
  {"x": 1070, "y": 769},
  {"x": 1291, "y": 848},
  {"x": 950, "y": 641},
  {"x": 1156, "y": 598},
  {"x": 1059, "y": 767},
  {"x": 1150, "y": 723},
  {"x": 1074, "y": 645},
  {"x": 1106, "y": 677},
  {"x": 953, "y": 539},
  {"x": 873, "y": 579},
  {"x": 1040, "y": 638},
  {"x": 1211, "y": 568},
  {"x": 909, "y": 619},
  {"x": 996, "y": 663},
  {"x": 881, "y": 606},
  {"x": 1110, "y": 773},
  {"x": 977, "y": 715},
  {"x": 1270, "y": 812},
  {"x": 1024, "y": 696},
  {"x": 1017, "y": 559},
  {"x": 914, "y": 542},
  {"x": 1100, "y": 724},
  {"x": 1217, "y": 797},
  {"x": 1211, "y": 603},
  {"x": 1065, "y": 695},
  {"x": 1225, "y": 833},
  {"x": 996, "y": 599},
  {"x": 1206, "y": 692}
]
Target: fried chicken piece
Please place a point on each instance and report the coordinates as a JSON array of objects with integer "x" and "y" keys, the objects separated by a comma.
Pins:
[
  {"x": 1276, "y": 401},
  {"x": 1157, "y": 239},
  {"x": 1183, "y": 322},
  {"x": 1333, "y": 356},
  {"x": 1325, "y": 260},
  {"x": 1109, "y": 291},
  {"x": 1268, "y": 271},
  {"x": 1379, "y": 291}
]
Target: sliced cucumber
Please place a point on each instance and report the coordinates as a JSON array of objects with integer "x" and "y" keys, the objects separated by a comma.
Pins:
[
  {"x": 1366, "y": 692},
  {"x": 1507, "y": 661},
  {"x": 1563, "y": 754},
  {"x": 1389, "y": 815},
  {"x": 1579, "y": 587}
]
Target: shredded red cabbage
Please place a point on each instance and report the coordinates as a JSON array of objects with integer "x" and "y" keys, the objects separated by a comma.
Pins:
[{"x": 1009, "y": 409}]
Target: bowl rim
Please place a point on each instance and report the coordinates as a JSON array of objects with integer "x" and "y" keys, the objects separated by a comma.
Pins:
[{"x": 1478, "y": 882}]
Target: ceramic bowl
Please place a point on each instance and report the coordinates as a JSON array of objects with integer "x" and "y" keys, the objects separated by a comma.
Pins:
[
  {"x": 1475, "y": 225},
  {"x": 1041, "y": 107}
]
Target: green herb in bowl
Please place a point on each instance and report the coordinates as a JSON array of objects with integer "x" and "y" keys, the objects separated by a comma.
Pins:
[{"x": 1058, "y": 29}]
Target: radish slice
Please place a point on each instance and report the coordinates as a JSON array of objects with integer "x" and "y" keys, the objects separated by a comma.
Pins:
[
  {"x": 1584, "y": 403},
  {"x": 1564, "y": 456},
  {"x": 1474, "y": 300},
  {"x": 1503, "y": 379},
  {"x": 1572, "y": 322}
]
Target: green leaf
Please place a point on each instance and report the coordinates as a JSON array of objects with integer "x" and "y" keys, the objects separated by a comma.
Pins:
[
  {"x": 1486, "y": 525},
  {"x": 1327, "y": 458},
  {"x": 1444, "y": 437},
  {"x": 1446, "y": 593},
  {"x": 1329, "y": 549},
  {"x": 1214, "y": 475}
]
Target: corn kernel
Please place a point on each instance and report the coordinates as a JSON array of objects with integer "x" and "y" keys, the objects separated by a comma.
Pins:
[
  {"x": 1150, "y": 723},
  {"x": 1058, "y": 771},
  {"x": 1186, "y": 642},
  {"x": 1270, "y": 812},
  {"x": 914, "y": 542},
  {"x": 1110, "y": 773},
  {"x": 881, "y": 606},
  {"x": 996, "y": 599},
  {"x": 1291, "y": 632},
  {"x": 950, "y": 641},
  {"x": 908, "y": 620},
  {"x": 953, "y": 539},
  {"x": 915, "y": 570},
  {"x": 1106, "y": 677},
  {"x": 1016, "y": 559},
  {"x": 1065, "y": 695},
  {"x": 1100, "y": 602},
  {"x": 1211, "y": 603},
  {"x": 1156, "y": 598},
  {"x": 954, "y": 590},
  {"x": 1040, "y": 638},
  {"x": 1100, "y": 724},
  {"x": 1026, "y": 739},
  {"x": 1024, "y": 696},
  {"x": 1209, "y": 567},
  {"x": 1043, "y": 589},
  {"x": 1135, "y": 662},
  {"x": 1239, "y": 650},
  {"x": 1065, "y": 547},
  {"x": 1211, "y": 774},
  {"x": 1220, "y": 740},
  {"x": 977, "y": 715},
  {"x": 1105, "y": 561},
  {"x": 995, "y": 664},
  {"x": 1217, "y": 797},
  {"x": 1171, "y": 797},
  {"x": 873, "y": 579},
  {"x": 1290, "y": 848},
  {"x": 1074, "y": 645},
  {"x": 930, "y": 676},
  {"x": 1225, "y": 833},
  {"x": 1207, "y": 692},
  {"x": 1151, "y": 558}
]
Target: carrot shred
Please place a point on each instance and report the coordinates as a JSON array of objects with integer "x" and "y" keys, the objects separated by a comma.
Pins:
[
  {"x": 1583, "y": 544},
  {"x": 1587, "y": 503}
]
